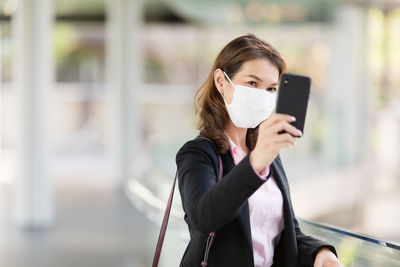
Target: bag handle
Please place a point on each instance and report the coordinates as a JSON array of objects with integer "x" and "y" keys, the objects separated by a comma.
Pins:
[
  {"x": 164, "y": 224},
  {"x": 167, "y": 212}
]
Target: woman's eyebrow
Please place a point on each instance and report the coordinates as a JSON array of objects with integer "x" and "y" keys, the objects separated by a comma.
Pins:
[{"x": 254, "y": 77}]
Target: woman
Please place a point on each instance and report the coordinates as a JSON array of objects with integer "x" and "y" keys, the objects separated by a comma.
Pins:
[{"x": 243, "y": 216}]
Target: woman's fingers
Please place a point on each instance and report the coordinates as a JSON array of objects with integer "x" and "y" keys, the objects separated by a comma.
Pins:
[
  {"x": 274, "y": 118},
  {"x": 281, "y": 141},
  {"x": 269, "y": 142},
  {"x": 284, "y": 125},
  {"x": 280, "y": 146},
  {"x": 279, "y": 122},
  {"x": 285, "y": 138}
]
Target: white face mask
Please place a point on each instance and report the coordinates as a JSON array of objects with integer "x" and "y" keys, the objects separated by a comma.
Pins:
[{"x": 250, "y": 106}]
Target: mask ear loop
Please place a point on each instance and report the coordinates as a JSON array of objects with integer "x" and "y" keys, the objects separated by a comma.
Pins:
[{"x": 226, "y": 75}]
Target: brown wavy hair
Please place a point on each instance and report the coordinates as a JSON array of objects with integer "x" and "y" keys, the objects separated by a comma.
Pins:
[{"x": 212, "y": 116}]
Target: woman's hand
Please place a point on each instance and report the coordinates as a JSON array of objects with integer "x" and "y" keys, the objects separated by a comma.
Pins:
[
  {"x": 269, "y": 142},
  {"x": 325, "y": 258}
]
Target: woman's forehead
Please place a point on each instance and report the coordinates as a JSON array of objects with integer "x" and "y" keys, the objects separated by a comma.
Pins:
[{"x": 261, "y": 68}]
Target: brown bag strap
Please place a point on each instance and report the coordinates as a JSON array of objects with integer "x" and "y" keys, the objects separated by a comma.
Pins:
[{"x": 164, "y": 224}]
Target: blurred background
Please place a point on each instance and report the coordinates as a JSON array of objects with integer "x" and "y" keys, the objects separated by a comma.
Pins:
[{"x": 96, "y": 98}]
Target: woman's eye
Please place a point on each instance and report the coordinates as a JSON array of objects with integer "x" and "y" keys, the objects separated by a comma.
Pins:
[
  {"x": 271, "y": 89},
  {"x": 252, "y": 83}
]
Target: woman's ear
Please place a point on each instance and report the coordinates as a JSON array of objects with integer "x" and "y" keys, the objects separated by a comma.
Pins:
[{"x": 219, "y": 80}]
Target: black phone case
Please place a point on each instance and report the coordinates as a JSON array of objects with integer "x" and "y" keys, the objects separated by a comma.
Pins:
[{"x": 293, "y": 94}]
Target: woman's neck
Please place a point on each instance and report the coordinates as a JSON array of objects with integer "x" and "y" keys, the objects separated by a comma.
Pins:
[{"x": 237, "y": 135}]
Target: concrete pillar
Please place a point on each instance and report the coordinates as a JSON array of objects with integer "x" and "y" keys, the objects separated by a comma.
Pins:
[
  {"x": 123, "y": 67},
  {"x": 348, "y": 90},
  {"x": 33, "y": 77}
]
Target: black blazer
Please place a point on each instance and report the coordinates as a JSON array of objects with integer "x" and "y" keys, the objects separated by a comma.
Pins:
[{"x": 223, "y": 207}]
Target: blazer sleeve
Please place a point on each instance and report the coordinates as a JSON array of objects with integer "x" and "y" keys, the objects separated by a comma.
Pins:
[{"x": 210, "y": 205}]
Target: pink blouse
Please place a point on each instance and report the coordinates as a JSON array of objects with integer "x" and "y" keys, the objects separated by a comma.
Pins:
[{"x": 266, "y": 214}]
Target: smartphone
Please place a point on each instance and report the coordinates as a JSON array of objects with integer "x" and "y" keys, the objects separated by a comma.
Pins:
[{"x": 293, "y": 94}]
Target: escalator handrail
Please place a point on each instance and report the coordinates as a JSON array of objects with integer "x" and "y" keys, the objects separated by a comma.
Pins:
[{"x": 390, "y": 244}]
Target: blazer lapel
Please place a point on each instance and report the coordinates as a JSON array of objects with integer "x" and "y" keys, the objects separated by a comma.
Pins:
[
  {"x": 243, "y": 215},
  {"x": 279, "y": 179},
  {"x": 288, "y": 238}
]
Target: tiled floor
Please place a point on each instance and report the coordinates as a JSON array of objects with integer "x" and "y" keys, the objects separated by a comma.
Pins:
[{"x": 94, "y": 226}]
